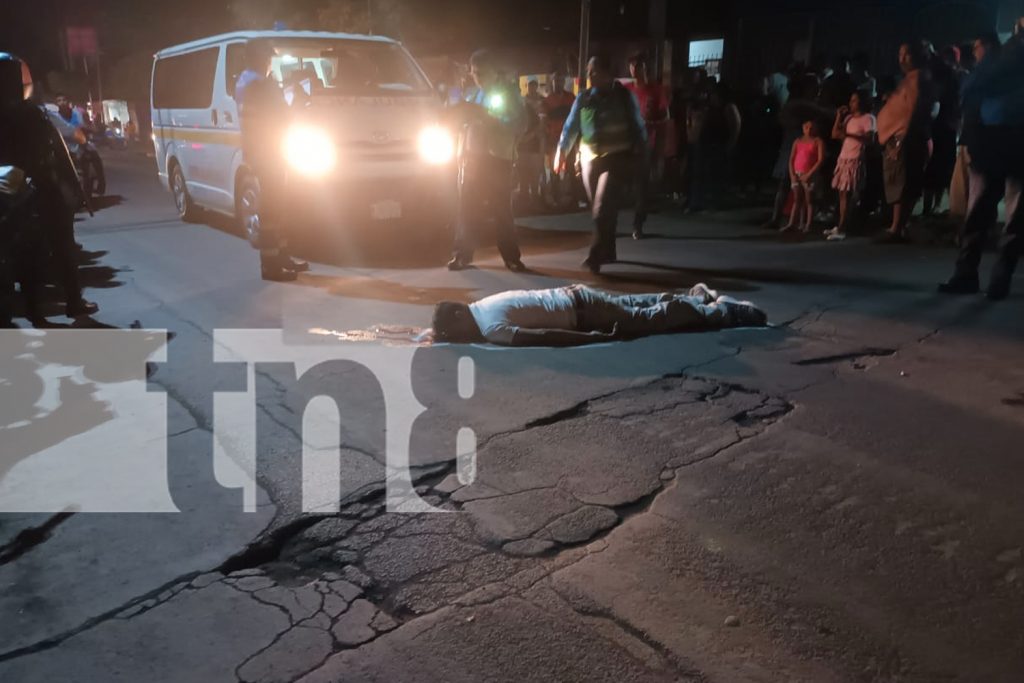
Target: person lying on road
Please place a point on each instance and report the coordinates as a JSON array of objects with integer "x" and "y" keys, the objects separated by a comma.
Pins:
[{"x": 577, "y": 315}]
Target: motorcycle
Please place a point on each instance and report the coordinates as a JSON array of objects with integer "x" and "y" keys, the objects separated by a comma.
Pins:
[{"x": 91, "y": 173}]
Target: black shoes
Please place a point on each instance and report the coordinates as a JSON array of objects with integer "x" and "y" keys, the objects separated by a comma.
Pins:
[
  {"x": 278, "y": 268},
  {"x": 81, "y": 308},
  {"x": 278, "y": 274},
  {"x": 516, "y": 266},
  {"x": 457, "y": 264},
  {"x": 281, "y": 267},
  {"x": 998, "y": 288},
  {"x": 296, "y": 265},
  {"x": 960, "y": 286}
]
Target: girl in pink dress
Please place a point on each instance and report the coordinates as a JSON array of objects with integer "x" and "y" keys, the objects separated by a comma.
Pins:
[{"x": 804, "y": 162}]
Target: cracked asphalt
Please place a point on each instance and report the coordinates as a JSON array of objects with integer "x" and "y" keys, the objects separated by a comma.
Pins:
[{"x": 836, "y": 498}]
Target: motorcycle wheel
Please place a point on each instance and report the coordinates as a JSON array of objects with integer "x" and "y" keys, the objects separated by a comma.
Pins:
[{"x": 97, "y": 179}]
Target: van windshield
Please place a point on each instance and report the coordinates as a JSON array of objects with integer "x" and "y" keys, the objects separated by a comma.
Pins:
[{"x": 347, "y": 67}]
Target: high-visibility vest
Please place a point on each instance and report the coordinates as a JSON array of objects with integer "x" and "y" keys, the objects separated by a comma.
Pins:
[{"x": 605, "y": 126}]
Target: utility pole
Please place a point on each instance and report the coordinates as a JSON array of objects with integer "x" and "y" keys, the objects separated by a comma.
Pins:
[
  {"x": 584, "y": 42},
  {"x": 656, "y": 28}
]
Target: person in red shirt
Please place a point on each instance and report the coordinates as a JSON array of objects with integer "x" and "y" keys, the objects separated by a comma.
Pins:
[
  {"x": 653, "y": 100},
  {"x": 554, "y": 111}
]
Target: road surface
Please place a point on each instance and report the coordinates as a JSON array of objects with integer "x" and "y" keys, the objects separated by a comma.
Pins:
[{"x": 836, "y": 498}]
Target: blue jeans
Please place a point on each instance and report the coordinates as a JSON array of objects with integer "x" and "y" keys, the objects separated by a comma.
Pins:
[{"x": 637, "y": 315}]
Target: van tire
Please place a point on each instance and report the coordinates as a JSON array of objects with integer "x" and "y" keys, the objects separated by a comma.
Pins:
[
  {"x": 188, "y": 211},
  {"x": 247, "y": 205}
]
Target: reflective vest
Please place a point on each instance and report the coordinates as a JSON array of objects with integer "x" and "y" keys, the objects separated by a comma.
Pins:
[{"x": 605, "y": 125}]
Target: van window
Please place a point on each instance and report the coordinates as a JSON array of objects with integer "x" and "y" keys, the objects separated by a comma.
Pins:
[
  {"x": 185, "y": 81},
  {"x": 235, "y": 62},
  {"x": 348, "y": 67}
]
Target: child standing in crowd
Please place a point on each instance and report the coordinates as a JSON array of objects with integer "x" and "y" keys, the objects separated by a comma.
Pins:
[
  {"x": 804, "y": 161},
  {"x": 855, "y": 126}
]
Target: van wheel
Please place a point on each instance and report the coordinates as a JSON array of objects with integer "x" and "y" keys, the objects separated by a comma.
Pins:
[
  {"x": 187, "y": 209},
  {"x": 247, "y": 209}
]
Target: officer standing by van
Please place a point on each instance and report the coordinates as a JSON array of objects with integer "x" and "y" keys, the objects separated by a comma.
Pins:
[
  {"x": 606, "y": 120},
  {"x": 494, "y": 119},
  {"x": 263, "y": 115}
]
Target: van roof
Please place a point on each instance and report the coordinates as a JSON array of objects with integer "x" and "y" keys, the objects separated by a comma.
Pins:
[{"x": 253, "y": 35}]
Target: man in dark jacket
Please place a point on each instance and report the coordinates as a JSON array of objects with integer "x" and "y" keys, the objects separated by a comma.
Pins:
[
  {"x": 493, "y": 120},
  {"x": 993, "y": 102},
  {"x": 31, "y": 143},
  {"x": 263, "y": 115}
]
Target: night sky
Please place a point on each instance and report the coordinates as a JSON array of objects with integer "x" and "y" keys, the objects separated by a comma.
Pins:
[{"x": 31, "y": 28}]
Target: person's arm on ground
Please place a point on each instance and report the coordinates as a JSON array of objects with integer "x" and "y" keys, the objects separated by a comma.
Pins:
[
  {"x": 510, "y": 335},
  {"x": 570, "y": 134},
  {"x": 558, "y": 338}
]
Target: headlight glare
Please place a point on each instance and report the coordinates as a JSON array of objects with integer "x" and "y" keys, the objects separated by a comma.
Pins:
[
  {"x": 436, "y": 146},
  {"x": 310, "y": 151}
]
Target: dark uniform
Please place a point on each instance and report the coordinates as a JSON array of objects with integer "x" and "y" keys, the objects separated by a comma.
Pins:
[
  {"x": 487, "y": 152},
  {"x": 611, "y": 131},
  {"x": 31, "y": 143},
  {"x": 263, "y": 115},
  {"x": 994, "y": 135}
]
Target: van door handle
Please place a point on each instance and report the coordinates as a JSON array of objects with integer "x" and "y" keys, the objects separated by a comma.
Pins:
[{"x": 214, "y": 115}]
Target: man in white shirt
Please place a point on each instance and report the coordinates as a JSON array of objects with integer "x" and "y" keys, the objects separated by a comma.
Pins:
[{"x": 577, "y": 315}]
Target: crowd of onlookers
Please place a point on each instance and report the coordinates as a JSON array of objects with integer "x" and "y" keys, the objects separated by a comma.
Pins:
[
  {"x": 884, "y": 140},
  {"x": 841, "y": 145}
]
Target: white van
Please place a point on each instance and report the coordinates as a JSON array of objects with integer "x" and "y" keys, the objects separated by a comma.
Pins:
[{"x": 362, "y": 141}]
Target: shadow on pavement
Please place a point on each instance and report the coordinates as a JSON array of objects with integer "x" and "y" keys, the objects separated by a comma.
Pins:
[
  {"x": 780, "y": 276},
  {"x": 107, "y": 202},
  {"x": 385, "y": 290}
]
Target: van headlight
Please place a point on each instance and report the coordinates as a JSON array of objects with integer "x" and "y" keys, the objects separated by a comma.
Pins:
[
  {"x": 310, "y": 151},
  {"x": 436, "y": 145}
]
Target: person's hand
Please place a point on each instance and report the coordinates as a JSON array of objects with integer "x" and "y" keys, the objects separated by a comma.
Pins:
[
  {"x": 843, "y": 111},
  {"x": 558, "y": 166}
]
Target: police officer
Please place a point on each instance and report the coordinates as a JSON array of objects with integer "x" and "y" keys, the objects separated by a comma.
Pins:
[
  {"x": 607, "y": 123},
  {"x": 31, "y": 143},
  {"x": 993, "y": 99},
  {"x": 494, "y": 118},
  {"x": 263, "y": 115}
]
